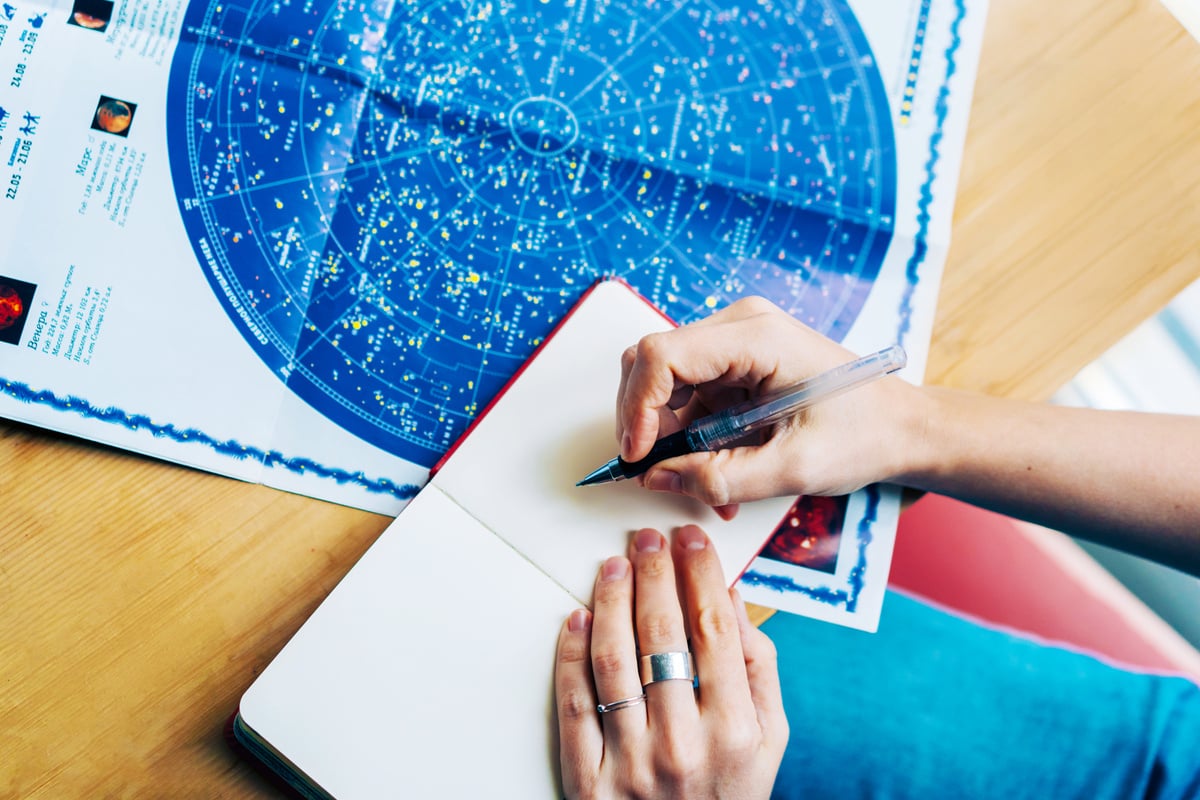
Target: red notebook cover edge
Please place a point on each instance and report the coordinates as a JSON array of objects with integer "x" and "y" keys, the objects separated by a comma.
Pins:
[{"x": 538, "y": 351}]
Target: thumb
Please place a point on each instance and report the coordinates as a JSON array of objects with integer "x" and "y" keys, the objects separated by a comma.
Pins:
[{"x": 722, "y": 478}]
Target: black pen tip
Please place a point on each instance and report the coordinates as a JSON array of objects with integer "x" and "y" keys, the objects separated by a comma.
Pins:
[{"x": 605, "y": 474}]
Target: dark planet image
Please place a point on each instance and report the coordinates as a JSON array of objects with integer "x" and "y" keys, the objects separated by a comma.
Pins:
[
  {"x": 113, "y": 116},
  {"x": 11, "y": 307},
  {"x": 810, "y": 535}
]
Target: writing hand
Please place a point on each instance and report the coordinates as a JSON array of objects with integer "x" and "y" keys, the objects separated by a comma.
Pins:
[{"x": 748, "y": 349}]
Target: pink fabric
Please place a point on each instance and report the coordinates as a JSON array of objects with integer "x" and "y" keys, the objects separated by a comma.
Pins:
[{"x": 983, "y": 565}]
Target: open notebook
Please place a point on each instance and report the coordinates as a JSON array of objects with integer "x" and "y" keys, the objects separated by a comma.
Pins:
[{"x": 428, "y": 670}]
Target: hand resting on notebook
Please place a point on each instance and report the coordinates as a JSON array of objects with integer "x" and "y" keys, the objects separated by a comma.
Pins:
[
  {"x": 1120, "y": 478},
  {"x": 667, "y": 739}
]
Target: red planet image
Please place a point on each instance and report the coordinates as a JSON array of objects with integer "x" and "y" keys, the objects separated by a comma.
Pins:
[
  {"x": 12, "y": 307},
  {"x": 92, "y": 15},
  {"x": 16, "y": 304},
  {"x": 113, "y": 116},
  {"x": 88, "y": 21}
]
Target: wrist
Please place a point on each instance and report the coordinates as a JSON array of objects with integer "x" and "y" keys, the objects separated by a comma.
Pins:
[{"x": 925, "y": 427}]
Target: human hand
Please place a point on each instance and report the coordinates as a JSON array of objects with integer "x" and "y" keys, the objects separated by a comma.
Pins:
[
  {"x": 746, "y": 350},
  {"x": 725, "y": 740}
]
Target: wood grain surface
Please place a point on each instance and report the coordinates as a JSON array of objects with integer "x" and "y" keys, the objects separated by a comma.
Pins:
[{"x": 138, "y": 599}]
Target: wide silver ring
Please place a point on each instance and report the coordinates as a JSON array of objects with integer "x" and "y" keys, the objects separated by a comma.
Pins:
[
  {"x": 617, "y": 705},
  {"x": 678, "y": 666}
]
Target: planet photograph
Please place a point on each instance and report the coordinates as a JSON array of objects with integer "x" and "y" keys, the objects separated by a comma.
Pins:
[
  {"x": 93, "y": 15},
  {"x": 15, "y": 299},
  {"x": 113, "y": 116}
]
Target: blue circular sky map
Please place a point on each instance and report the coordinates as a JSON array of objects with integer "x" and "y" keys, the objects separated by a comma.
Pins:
[{"x": 395, "y": 202}]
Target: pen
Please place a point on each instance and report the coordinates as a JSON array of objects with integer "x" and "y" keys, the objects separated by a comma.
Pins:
[{"x": 729, "y": 426}]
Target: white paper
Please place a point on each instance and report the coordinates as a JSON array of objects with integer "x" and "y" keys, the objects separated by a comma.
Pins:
[
  {"x": 383, "y": 693},
  {"x": 516, "y": 471}
]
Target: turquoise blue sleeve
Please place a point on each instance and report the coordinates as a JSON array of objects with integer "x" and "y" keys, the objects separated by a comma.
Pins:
[{"x": 935, "y": 706}]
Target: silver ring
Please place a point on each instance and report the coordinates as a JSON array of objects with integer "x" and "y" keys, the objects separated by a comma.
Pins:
[
  {"x": 678, "y": 666},
  {"x": 617, "y": 705}
]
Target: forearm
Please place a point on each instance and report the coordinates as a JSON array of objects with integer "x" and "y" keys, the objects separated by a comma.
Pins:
[{"x": 1126, "y": 479}]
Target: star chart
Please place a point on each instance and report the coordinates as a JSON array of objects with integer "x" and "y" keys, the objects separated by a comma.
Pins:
[{"x": 396, "y": 201}]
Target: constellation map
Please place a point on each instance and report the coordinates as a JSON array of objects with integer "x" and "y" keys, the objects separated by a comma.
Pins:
[{"x": 395, "y": 202}]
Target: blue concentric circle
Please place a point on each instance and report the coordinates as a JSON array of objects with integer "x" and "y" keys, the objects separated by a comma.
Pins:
[{"x": 395, "y": 202}]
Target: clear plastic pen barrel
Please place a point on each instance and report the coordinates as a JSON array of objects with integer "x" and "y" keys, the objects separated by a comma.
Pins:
[{"x": 729, "y": 426}]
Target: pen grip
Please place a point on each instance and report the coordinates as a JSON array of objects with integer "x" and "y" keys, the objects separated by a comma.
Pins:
[
  {"x": 677, "y": 444},
  {"x": 716, "y": 431}
]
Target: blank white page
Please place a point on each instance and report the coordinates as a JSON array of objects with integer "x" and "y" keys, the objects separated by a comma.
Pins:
[
  {"x": 516, "y": 470},
  {"x": 427, "y": 672}
]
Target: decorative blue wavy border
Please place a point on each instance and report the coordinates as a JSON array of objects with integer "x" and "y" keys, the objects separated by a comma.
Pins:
[
  {"x": 941, "y": 111},
  {"x": 823, "y": 594},
  {"x": 856, "y": 580},
  {"x": 228, "y": 447}
]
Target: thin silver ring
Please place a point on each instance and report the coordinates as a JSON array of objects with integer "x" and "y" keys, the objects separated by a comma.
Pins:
[
  {"x": 617, "y": 705},
  {"x": 677, "y": 666}
]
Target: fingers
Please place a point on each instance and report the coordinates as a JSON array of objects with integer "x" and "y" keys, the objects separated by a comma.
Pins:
[
  {"x": 581, "y": 744},
  {"x": 762, "y": 674},
  {"x": 660, "y": 626},
  {"x": 627, "y": 359},
  {"x": 662, "y": 363},
  {"x": 720, "y": 478},
  {"x": 614, "y": 650},
  {"x": 716, "y": 639},
  {"x": 750, "y": 347},
  {"x": 639, "y": 424},
  {"x": 726, "y": 740},
  {"x": 661, "y": 420}
]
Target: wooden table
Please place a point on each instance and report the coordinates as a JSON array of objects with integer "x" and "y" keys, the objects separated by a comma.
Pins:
[{"x": 138, "y": 600}]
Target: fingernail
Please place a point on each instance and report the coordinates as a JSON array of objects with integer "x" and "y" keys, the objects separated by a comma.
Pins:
[
  {"x": 579, "y": 620},
  {"x": 727, "y": 512},
  {"x": 664, "y": 480},
  {"x": 626, "y": 444},
  {"x": 614, "y": 569},
  {"x": 647, "y": 541},
  {"x": 692, "y": 539}
]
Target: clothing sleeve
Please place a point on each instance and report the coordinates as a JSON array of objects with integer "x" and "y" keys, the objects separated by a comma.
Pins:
[{"x": 937, "y": 706}]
